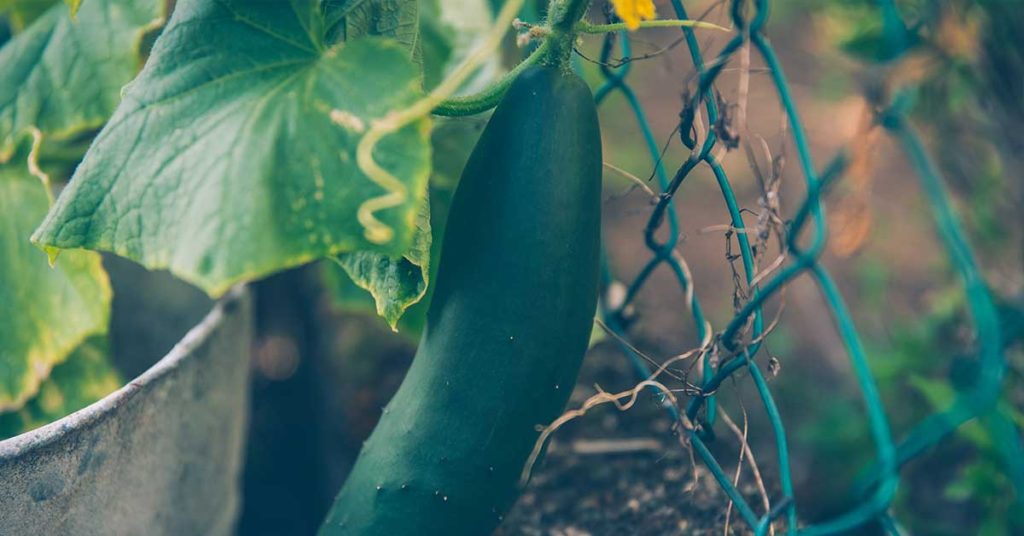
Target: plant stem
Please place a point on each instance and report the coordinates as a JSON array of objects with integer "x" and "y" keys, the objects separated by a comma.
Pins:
[
  {"x": 565, "y": 14},
  {"x": 554, "y": 49},
  {"x": 586, "y": 27},
  {"x": 489, "y": 97},
  {"x": 563, "y": 17}
]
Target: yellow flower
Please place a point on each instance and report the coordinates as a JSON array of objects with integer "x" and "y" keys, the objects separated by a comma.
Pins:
[{"x": 633, "y": 11}]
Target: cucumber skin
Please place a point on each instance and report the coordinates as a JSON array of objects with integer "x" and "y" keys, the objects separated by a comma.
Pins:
[{"x": 507, "y": 327}]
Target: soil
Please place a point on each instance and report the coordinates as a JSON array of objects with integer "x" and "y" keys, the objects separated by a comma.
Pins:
[{"x": 614, "y": 473}]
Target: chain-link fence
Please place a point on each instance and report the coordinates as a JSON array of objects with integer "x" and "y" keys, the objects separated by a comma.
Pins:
[{"x": 739, "y": 346}]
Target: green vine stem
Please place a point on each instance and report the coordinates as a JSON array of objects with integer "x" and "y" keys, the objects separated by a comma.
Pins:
[
  {"x": 555, "y": 48},
  {"x": 489, "y": 97},
  {"x": 563, "y": 18},
  {"x": 587, "y": 28}
]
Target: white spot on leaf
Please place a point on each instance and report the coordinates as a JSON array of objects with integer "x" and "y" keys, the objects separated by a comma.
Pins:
[{"x": 347, "y": 120}]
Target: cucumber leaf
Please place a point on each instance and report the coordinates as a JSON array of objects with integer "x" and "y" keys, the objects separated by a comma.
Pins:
[
  {"x": 464, "y": 24},
  {"x": 45, "y": 313},
  {"x": 394, "y": 283},
  {"x": 400, "y": 286},
  {"x": 448, "y": 33},
  {"x": 85, "y": 377},
  {"x": 21, "y": 13},
  {"x": 232, "y": 155},
  {"x": 62, "y": 77},
  {"x": 350, "y": 19},
  {"x": 436, "y": 43}
]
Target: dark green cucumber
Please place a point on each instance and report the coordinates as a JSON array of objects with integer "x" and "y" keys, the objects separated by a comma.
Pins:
[{"x": 507, "y": 327}]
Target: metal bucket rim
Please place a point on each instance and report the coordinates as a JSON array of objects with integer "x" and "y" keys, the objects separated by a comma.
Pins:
[{"x": 50, "y": 433}]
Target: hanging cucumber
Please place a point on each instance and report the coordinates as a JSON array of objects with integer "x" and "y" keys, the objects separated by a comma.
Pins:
[{"x": 507, "y": 327}]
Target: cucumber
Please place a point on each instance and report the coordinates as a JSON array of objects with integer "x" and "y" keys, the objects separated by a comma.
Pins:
[{"x": 507, "y": 327}]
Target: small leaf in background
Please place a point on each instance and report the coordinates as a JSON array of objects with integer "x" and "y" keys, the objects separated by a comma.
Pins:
[
  {"x": 347, "y": 20},
  {"x": 871, "y": 45},
  {"x": 85, "y": 377},
  {"x": 633, "y": 11},
  {"x": 45, "y": 313},
  {"x": 73, "y": 6},
  {"x": 449, "y": 32},
  {"x": 394, "y": 281},
  {"x": 399, "y": 286},
  {"x": 395, "y": 284},
  {"x": 938, "y": 393},
  {"x": 64, "y": 77},
  {"x": 232, "y": 155},
  {"x": 21, "y": 13},
  {"x": 597, "y": 333},
  {"x": 437, "y": 44}
]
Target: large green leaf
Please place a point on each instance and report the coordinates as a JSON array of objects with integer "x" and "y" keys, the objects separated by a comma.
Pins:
[
  {"x": 44, "y": 313},
  {"x": 232, "y": 155},
  {"x": 64, "y": 77},
  {"x": 86, "y": 376}
]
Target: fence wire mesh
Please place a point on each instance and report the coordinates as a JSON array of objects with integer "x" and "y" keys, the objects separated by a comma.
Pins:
[{"x": 802, "y": 235}]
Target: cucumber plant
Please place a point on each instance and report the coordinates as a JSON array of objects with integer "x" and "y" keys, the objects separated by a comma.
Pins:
[
  {"x": 53, "y": 323},
  {"x": 260, "y": 136}
]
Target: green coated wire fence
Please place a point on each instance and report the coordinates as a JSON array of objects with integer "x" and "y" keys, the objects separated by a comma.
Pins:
[{"x": 739, "y": 345}]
